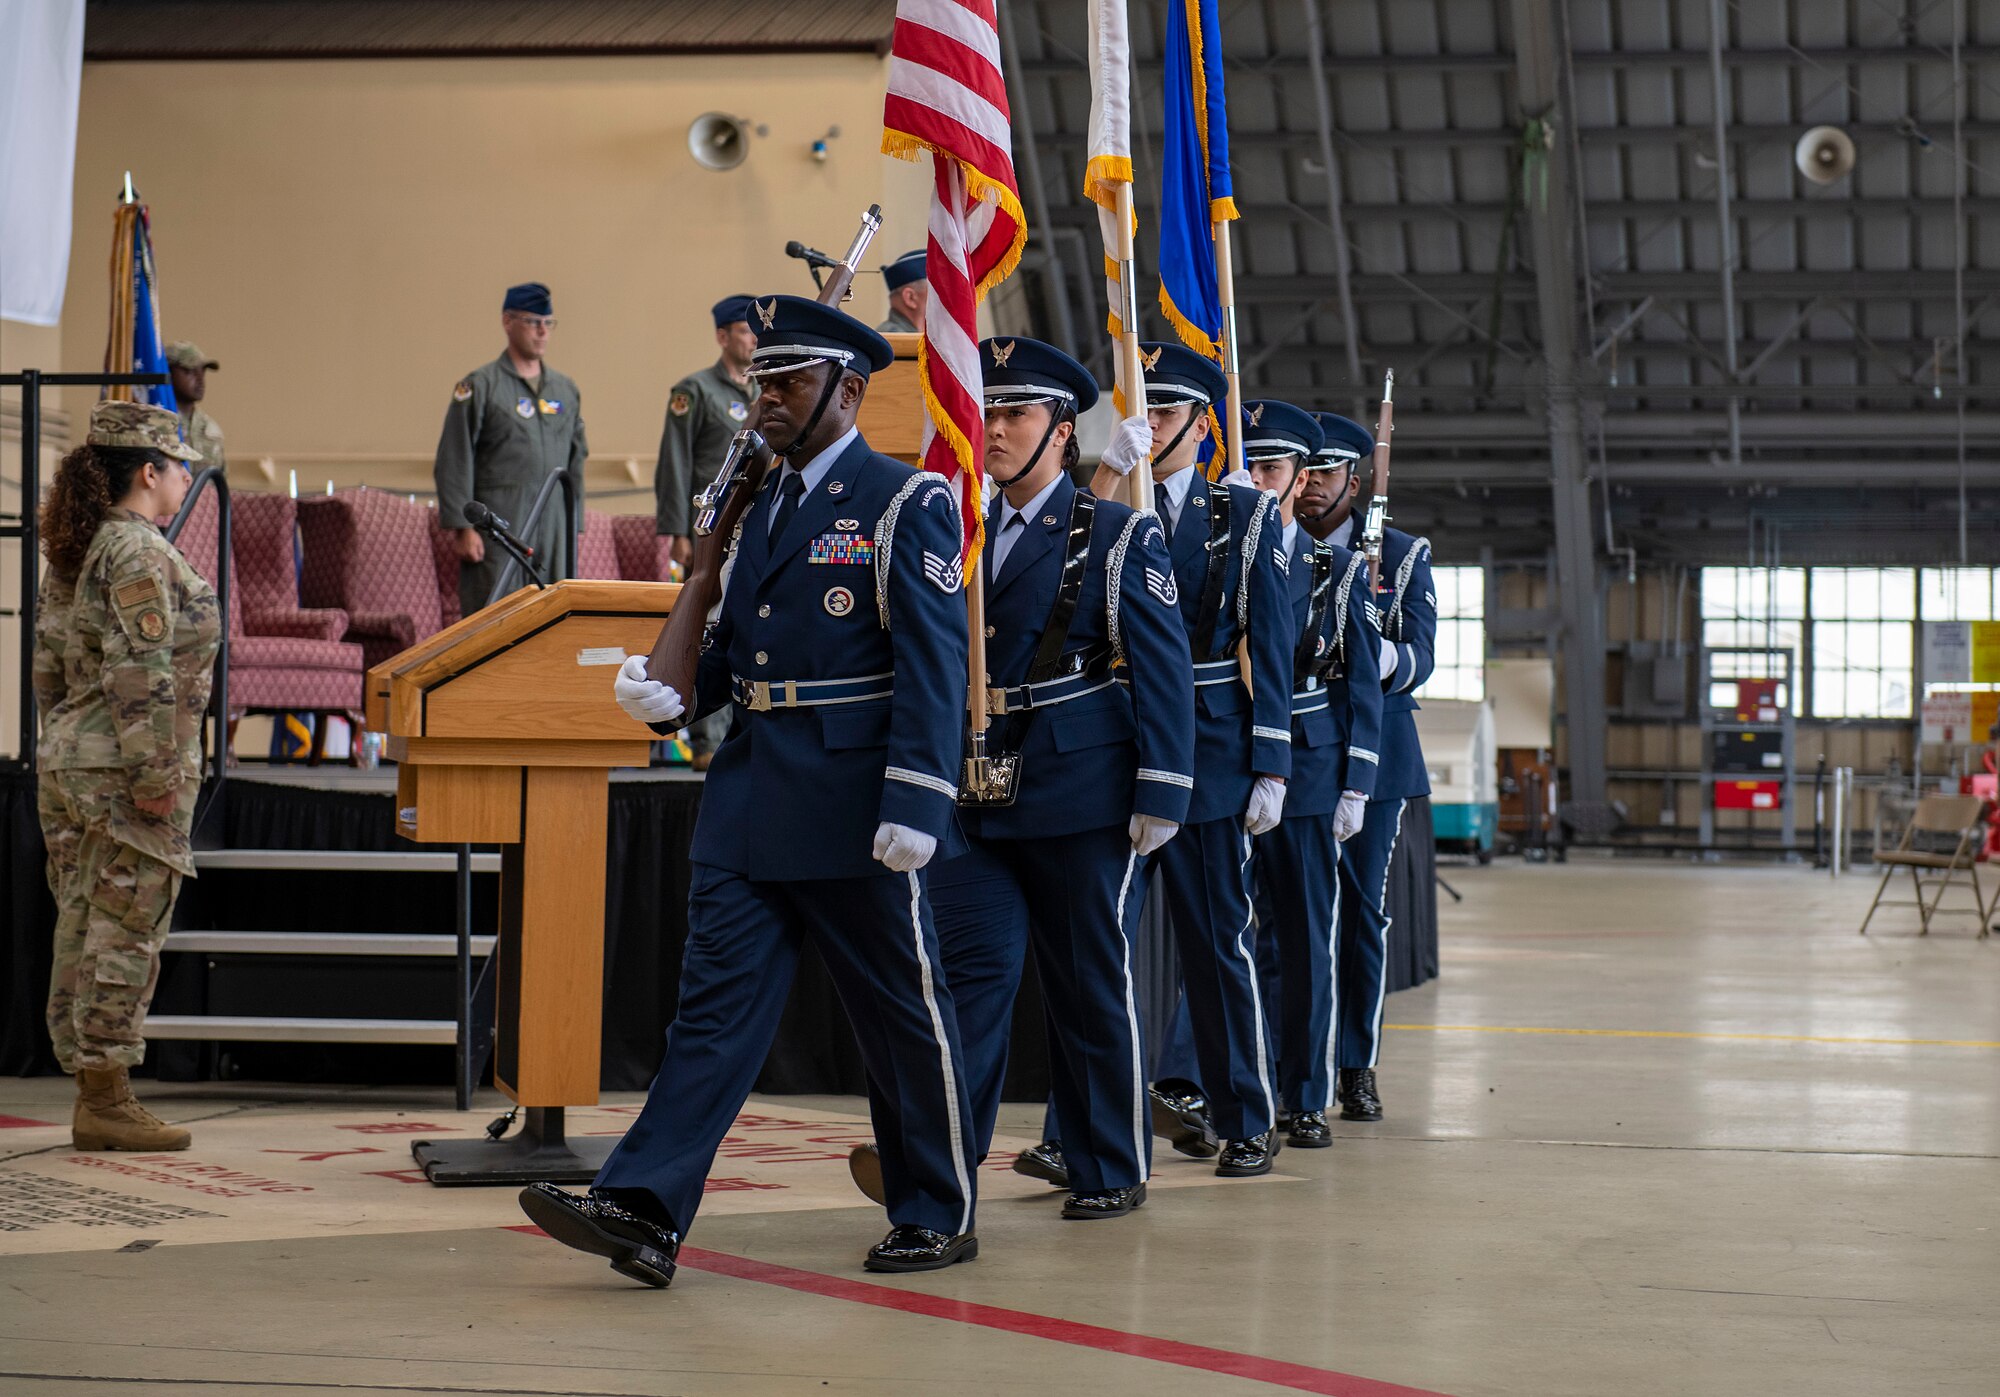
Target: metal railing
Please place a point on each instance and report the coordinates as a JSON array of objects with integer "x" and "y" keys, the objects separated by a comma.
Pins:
[
  {"x": 218, "y": 694},
  {"x": 26, "y": 526}
]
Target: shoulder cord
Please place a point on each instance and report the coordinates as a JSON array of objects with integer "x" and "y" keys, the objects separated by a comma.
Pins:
[
  {"x": 1252, "y": 536},
  {"x": 1114, "y": 576},
  {"x": 1392, "y": 622},
  {"x": 885, "y": 532}
]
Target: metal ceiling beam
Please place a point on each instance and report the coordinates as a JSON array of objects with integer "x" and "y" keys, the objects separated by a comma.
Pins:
[
  {"x": 1609, "y": 210},
  {"x": 1593, "y": 136},
  {"x": 1830, "y": 287},
  {"x": 1343, "y": 269},
  {"x": 1551, "y": 220},
  {"x": 1725, "y": 226},
  {"x": 1357, "y": 64}
]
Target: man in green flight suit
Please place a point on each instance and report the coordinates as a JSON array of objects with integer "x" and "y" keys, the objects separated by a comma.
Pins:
[
  {"x": 705, "y": 411},
  {"x": 907, "y": 279},
  {"x": 188, "y": 367},
  {"x": 511, "y": 425}
]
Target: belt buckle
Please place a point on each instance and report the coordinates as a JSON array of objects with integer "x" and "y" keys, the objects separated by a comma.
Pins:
[
  {"x": 759, "y": 700},
  {"x": 996, "y": 702}
]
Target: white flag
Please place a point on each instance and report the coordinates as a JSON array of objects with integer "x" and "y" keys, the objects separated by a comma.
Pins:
[{"x": 1110, "y": 163}]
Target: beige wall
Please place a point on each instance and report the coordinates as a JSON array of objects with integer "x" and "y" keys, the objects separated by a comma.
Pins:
[{"x": 339, "y": 234}]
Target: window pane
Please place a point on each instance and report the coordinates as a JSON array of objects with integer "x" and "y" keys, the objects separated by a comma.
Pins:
[{"x": 1960, "y": 594}]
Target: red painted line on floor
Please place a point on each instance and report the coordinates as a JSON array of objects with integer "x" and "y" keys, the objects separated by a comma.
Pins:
[
  {"x": 20, "y": 1123},
  {"x": 1275, "y": 1372}
]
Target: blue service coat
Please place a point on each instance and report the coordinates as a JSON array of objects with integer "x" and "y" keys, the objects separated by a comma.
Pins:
[
  {"x": 805, "y": 606},
  {"x": 1237, "y": 734},
  {"x": 1406, "y": 608},
  {"x": 1337, "y": 738},
  {"x": 1128, "y": 748}
]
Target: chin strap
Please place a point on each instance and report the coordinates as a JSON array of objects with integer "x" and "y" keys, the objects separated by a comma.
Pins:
[
  {"x": 1055, "y": 421},
  {"x": 834, "y": 372},
  {"x": 1186, "y": 427}
]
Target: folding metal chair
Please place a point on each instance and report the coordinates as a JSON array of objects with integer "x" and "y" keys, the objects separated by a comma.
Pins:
[{"x": 1949, "y": 816}]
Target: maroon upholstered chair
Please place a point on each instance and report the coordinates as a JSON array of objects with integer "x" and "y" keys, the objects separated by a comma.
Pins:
[
  {"x": 301, "y": 663},
  {"x": 643, "y": 554},
  {"x": 444, "y": 562},
  {"x": 369, "y": 552},
  {"x": 597, "y": 549}
]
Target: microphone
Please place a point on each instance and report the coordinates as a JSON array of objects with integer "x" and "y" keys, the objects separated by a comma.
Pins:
[
  {"x": 811, "y": 256},
  {"x": 480, "y": 517}
]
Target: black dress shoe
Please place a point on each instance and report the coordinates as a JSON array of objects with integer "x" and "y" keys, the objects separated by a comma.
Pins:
[
  {"x": 1308, "y": 1131},
  {"x": 1044, "y": 1162},
  {"x": 1245, "y": 1159},
  {"x": 1104, "y": 1202},
  {"x": 1358, "y": 1098},
  {"x": 1180, "y": 1117},
  {"x": 912, "y": 1248},
  {"x": 598, "y": 1224},
  {"x": 864, "y": 1165}
]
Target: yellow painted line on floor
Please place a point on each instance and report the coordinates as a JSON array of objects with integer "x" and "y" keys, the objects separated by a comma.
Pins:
[{"x": 1666, "y": 1033}]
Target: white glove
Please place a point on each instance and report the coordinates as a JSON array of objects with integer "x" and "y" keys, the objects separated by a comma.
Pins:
[
  {"x": 902, "y": 849},
  {"x": 1267, "y": 805},
  {"x": 648, "y": 700},
  {"x": 1149, "y": 832},
  {"x": 1241, "y": 476},
  {"x": 1348, "y": 815},
  {"x": 1390, "y": 654},
  {"x": 1131, "y": 443}
]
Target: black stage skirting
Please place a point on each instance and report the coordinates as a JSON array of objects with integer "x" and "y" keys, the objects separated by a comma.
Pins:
[{"x": 645, "y": 914}]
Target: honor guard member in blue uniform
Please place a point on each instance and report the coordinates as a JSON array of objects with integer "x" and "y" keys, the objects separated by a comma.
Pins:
[
  {"x": 841, "y": 640},
  {"x": 1336, "y": 726},
  {"x": 1230, "y": 581},
  {"x": 1405, "y": 607},
  {"x": 1074, "y": 586}
]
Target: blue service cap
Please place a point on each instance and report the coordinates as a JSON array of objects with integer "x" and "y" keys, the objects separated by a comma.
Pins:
[
  {"x": 1176, "y": 374},
  {"x": 530, "y": 298},
  {"x": 794, "y": 332},
  {"x": 731, "y": 309},
  {"x": 1272, "y": 429},
  {"x": 1347, "y": 442},
  {"x": 1028, "y": 371},
  {"x": 911, "y": 266}
]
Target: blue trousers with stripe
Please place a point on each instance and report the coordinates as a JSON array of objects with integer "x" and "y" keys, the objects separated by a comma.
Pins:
[
  {"x": 880, "y": 946},
  {"x": 1075, "y": 901},
  {"x": 1361, "y": 944},
  {"x": 1299, "y": 924},
  {"x": 1204, "y": 874}
]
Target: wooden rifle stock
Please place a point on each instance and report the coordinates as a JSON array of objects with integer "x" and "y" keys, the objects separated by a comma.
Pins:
[{"x": 676, "y": 655}]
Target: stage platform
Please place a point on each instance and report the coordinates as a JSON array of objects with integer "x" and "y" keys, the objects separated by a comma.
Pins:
[{"x": 651, "y": 821}]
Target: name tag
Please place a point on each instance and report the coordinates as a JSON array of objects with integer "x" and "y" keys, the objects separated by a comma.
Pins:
[{"x": 841, "y": 548}]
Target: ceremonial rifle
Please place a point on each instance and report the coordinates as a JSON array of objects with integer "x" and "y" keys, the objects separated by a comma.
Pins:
[
  {"x": 721, "y": 507},
  {"x": 1378, "y": 501}
]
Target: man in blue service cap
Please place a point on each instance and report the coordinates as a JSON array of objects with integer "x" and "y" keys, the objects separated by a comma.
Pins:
[
  {"x": 1230, "y": 583},
  {"x": 841, "y": 641},
  {"x": 510, "y": 425},
  {"x": 1336, "y": 726},
  {"x": 909, "y": 293},
  {"x": 1404, "y": 605},
  {"x": 1076, "y": 587},
  {"x": 705, "y": 411}
]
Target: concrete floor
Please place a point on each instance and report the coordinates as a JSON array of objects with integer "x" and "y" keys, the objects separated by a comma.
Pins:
[{"x": 1658, "y": 1130}]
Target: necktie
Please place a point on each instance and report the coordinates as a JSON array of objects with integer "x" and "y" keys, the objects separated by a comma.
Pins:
[
  {"x": 790, "y": 489},
  {"x": 1161, "y": 503},
  {"x": 1009, "y": 532}
]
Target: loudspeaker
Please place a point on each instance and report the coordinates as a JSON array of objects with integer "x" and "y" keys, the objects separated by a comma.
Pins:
[
  {"x": 718, "y": 142},
  {"x": 1824, "y": 154}
]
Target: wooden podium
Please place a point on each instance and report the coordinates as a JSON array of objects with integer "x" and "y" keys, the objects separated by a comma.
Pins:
[
  {"x": 892, "y": 415},
  {"x": 506, "y": 732}
]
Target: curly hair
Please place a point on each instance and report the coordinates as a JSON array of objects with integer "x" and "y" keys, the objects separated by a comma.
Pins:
[
  {"x": 88, "y": 484},
  {"x": 1072, "y": 451}
]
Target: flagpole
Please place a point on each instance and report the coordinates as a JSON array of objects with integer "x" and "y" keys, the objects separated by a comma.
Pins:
[
  {"x": 1225, "y": 286},
  {"x": 1131, "y": 374}
]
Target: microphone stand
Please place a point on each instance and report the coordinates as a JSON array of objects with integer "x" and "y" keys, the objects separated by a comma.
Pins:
[{"x": 524, "y": 556}]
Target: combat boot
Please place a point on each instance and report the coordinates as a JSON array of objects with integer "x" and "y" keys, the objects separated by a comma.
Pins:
[{"x": 109, "y": 1117}]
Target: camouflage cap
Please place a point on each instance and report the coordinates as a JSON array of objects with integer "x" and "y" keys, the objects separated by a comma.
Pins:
[
  {"x": 141, "y": 425},
  {"x": 186, "y": 354}
]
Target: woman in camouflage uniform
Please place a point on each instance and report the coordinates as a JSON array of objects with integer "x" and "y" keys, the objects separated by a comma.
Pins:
[{"x": 125, "y": 640}]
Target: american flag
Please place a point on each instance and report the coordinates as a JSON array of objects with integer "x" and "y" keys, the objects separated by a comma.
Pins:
[{"x": 947, "y": 96}]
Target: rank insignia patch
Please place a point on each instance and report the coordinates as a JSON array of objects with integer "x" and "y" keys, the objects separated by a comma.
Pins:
[
  {"x": 1164, "y": 586},
  {"x": 462, "y": 392},
  {"x": 152, "y": 625},
  {"x": 945, "y": 573},
  {"x": 838, "y": 601},
  {"x": 738, "y": 412},
  {"x": 525, "y": 407},
  {"x": 841, "y": 548},
  {"x": 1284, "y": 561}
]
